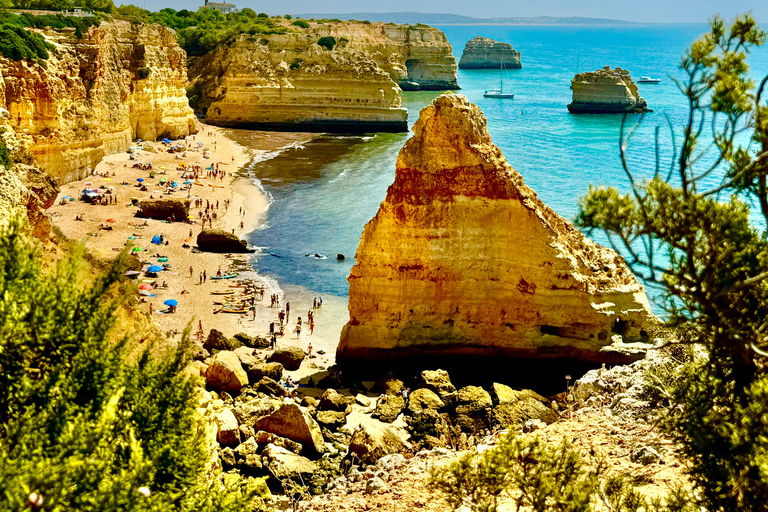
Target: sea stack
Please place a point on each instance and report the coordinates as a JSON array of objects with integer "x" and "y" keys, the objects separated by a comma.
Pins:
[
  {"x": 484, "y": 53},
  {"x": 463, "y": 259},
  {"x": 605, "y": 91}
]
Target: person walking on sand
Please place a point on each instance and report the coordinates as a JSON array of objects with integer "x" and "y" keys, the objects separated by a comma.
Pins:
[
  {"x": 200, "y": 325},
  {"x": 309, "y": 351},
  {"x": 281, "y": 317},
  {"x": 205, "y": 276},
  {"x": 191, "y": 272},
  {"x": 150, "y": 308},
  {"x": 201, "y": 278}
]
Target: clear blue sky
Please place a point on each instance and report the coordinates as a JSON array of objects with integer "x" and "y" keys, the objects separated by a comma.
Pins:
[{"x": 662, "y": 11}]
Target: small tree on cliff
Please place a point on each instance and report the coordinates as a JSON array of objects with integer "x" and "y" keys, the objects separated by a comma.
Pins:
[
  {"x": 698, "y": 243},
  {"x": 84, "y": 426}
]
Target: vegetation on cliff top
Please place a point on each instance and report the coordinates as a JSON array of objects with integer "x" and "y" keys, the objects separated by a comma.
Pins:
[
  {"x": 60, "y": 5},
  {"x": 83, "y": 425}
]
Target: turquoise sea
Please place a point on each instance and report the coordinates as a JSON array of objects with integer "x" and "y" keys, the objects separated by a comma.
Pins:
[{"x": 324, "y": 191}]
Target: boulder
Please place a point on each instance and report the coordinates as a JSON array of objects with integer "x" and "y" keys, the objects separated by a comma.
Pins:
[
  {"x": 227, "y": 432},
  {"x": 225, "y": 372},
  {"x": 389, "y": 385},
  {"x": 473, "y": 406},
  {"x": 646, "y": 455},
  {"x": 388, "y": 408},
  {"x": 373, "y": 440},
  {"x": 227, "y": 456},
  {"x": 331, "y": 419},
  {"x": 252, "y": 341},
  {"x": 331, "y": 400},
  {"x": 257, "y": 369},
  {"x": 528, "y": 406},
  {"x": 162, "y": 209},
  {"x": 217, "y": 341},
  {"x": 502, "y": 394},
  {"x": 283, "y": 464},
  {"x": 218, "y": 240},
  {"x": 439, "y": 382},
  {"x": 246, "y": 454},
  {"x": 270, "y": 387},
  {"x": 293, "y": 423},
  {"x": 424, "y": 398},
  {"x": 290, "y": 357},
  {"x": 265, "y": 438}
]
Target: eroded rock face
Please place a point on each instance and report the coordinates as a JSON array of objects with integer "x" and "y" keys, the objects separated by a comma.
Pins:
[
  {"x": 288, "y": 81},
  {"x": 90, "y": 101},
  {"x": 463, "y": 259},
  {"x": 176, "y": 208},
  {"x": 218, "y": 240},
  {"x": 605, "y": 91},
  {"x": 484, "y": 53}
]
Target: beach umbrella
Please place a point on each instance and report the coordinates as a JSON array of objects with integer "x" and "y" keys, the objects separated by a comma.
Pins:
[
  {"x": 137, "y": 249},
  {"x": 139, "y": 179},
  {"x": 156, "y": 240},
  {"x": 163, "y": 168},
  {"x": 171, "y": 302},
  {"x": 111, "y": 220},
  {"x": 163, "y": 180},
  {"x": 174, "y": 184},
  {"x": 145, "y": 286},
  {"x": 155, "y": 268},
  {"x": 107, "y": 179},
  {"x": 132, "y": 273}
]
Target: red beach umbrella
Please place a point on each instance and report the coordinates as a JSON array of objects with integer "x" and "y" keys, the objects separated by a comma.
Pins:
[{"x": 145, "y": 286}]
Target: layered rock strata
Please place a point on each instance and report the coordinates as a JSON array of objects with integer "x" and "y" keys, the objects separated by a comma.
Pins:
[
  {"x": 289, "y": 81},
  {"x": 483, "y": 53},
  {"x": 90, "y": 100},
  {"x": 605, "y": 91},
  {"x": 462, "y": 258}
]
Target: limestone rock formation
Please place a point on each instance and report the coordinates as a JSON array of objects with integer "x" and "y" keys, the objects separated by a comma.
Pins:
[
  {"x": 463, "y": 259},
  {"x": 289, "y": 81},
  {"x": 89, "y": 101},
  {"x": 483, "y": 53},
  {"x": 226, "y": 373},
  {"x": 605, "y": 91},
  {"x": 290, "y": 421},
  {"x": 218, "y": 240},
  {"x": 290, "y": 357},
  {"x": 161, "y": 209}
]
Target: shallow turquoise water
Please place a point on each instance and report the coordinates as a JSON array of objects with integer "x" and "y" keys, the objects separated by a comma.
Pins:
[{"x": 325, "y": 191}]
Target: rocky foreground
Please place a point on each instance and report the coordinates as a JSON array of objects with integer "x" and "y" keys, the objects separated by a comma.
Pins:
[
  {"x": 463, "y": 259},
  {"x": 363, "y": 445},
  {"x": 606, "y": 91}
]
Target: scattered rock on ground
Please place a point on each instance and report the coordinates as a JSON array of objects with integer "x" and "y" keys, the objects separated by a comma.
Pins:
[
  {"x": 227, "y": 432},
  {"x": 283, "y": 464},
  {"x": 439, "y": 382},
  {"x": 332, "y": 400},
  {"x": 289, "y": 357},
  {"x": 374, "y": 439},
  {"x": 291, "y": 422},
  {"x": 217, "y": 341},
  {"x": 270, "y": 387},
  {"x": 225, "y": 372},
  {"x": 388, "y": 408},
  {"x": 424, "y": 398}
]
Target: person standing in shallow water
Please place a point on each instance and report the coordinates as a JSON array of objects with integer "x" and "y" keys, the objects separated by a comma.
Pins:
[{"x": 298, "y": 330}]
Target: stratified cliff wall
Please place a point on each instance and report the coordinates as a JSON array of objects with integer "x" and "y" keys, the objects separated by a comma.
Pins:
[
  {"x": 605, "y": 91},
  {"x": 484, "y": 53},
  {"x": 463, "y": 259},
  {"x": 89, "y": 101},
  {"x": 289, "y": 81}
]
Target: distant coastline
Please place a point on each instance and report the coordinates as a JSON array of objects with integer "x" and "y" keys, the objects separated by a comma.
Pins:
[{"x": 457, "y": 19}]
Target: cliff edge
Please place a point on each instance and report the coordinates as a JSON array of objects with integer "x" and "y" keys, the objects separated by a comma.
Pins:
[
  {"x": 605, "y": 91},
  {"x": 483, "y": 53},
  {"x": 95, "y": 94},
  {"x": 339, "y": 76},
  {"x": 463, "y": 259}
]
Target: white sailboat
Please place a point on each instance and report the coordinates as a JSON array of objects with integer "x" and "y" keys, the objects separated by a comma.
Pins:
[{"x": 499, "y": 93}]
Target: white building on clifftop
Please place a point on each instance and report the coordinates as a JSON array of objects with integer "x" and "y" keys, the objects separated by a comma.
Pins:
[{"x": 223, "y": 8}]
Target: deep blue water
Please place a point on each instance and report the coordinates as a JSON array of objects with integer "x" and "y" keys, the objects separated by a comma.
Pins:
[{"x": 325, "y": 191}]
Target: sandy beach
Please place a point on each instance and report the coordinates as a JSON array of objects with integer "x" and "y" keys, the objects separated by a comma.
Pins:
[{"x": 246, "y": 211}]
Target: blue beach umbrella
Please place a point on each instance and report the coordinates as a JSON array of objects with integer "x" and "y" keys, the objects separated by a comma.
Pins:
[
  {"x": 139, "y": 179},
  {"x": 156, "y": 240},
  {"x": 155, "y": 268},
  {"x": 171, "y": 302},
  {"x": 188, "y": 182}
]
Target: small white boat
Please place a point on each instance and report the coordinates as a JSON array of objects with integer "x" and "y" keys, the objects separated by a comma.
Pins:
[
  {"x": 648, "y": 80},
  {"x": 499, "y": 93}
]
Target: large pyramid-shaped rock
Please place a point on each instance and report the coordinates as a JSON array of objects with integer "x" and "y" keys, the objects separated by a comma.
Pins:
[{"x": 463, "y": 259}]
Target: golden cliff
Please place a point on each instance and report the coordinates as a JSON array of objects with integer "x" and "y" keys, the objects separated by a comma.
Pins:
[
  {"x": 91, "y": 100},
  {"x": 605, "y": 91},
  {"x": 463, "y": 259},
  {"x": 331, "y": 76}
]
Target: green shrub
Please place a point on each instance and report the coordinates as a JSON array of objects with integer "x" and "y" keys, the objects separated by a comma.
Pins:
[
  {"x": 366, "y": 22},
  {"x": 263, "y": 15},
  {"x": 296, "y": 64},
  {"x": 288, "y": 17},
  {"x": 143, "y": 73},
  {"x": 17, "y": 43},
  {"x": 5, "y": 156},
  {"x": 82, "y": 424},
  {"x": 300, "y": 23},
  {"x": 327, "y": 42}
]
